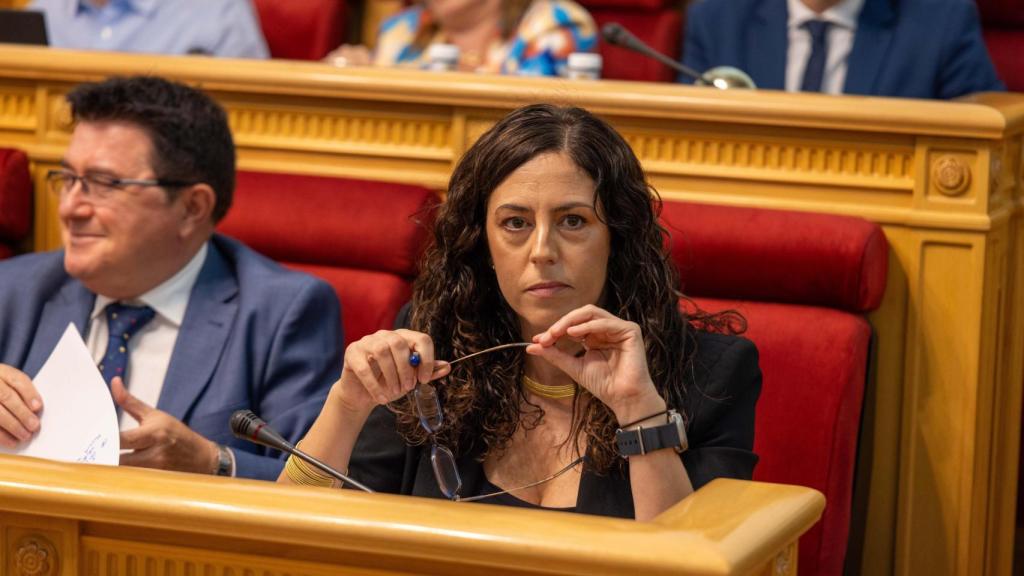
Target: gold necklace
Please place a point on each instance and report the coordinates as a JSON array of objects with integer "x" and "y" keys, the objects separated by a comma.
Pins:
[{"x": 545, "y": 391}]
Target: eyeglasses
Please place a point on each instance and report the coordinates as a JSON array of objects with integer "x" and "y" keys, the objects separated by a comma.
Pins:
[
  {"x": 100, "y": 187},
  {"x": 431, "y": 416}
]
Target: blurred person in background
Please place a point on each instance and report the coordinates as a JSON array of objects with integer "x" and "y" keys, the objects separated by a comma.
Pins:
[
  {"x": 900, "y": 48},
  {"x": 494, "y": 36},
  {"x": 227, "y": 28}
]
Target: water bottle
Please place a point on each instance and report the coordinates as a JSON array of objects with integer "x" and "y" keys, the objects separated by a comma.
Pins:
[
  {"x": 442, "y": 57},
  {"x": 584, "y": 66}
]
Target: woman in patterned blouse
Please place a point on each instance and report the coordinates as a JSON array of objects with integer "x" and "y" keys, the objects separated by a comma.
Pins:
[{"x": 495, "y": 36}]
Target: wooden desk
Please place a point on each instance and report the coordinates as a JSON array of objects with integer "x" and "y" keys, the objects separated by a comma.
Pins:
[
  {"x": 944, "y": 179},
  {"x": 71, "y": 519}
]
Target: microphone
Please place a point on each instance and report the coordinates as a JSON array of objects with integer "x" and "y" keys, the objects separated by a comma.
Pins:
[
  {"x": 248, "y": 426},
  {"x": 615, "y": 33},
  {"x": 721, "y": 77}
]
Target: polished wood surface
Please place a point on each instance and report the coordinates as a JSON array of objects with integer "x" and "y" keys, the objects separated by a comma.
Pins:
[
  {"x": 939, "y": 455},
  {"x": 85, "y": 519}
]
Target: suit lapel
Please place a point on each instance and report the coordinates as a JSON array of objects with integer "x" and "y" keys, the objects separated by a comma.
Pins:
[
  {"x": 203, "y": 335},
  {"x": 768, "y": 40},
  {"x": 870, "y": 46},
  {"x": 73, "y": 303}
]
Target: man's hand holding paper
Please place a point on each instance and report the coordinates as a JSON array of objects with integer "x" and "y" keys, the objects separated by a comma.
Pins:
[
  {"x": 78, "y": 423},
  {"x": 20, "y": 404}
]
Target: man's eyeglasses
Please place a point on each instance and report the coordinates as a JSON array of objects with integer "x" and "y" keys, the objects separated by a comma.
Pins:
[
  {"x": 431, "y": 415},
  {"x": 100, "y": 187}
]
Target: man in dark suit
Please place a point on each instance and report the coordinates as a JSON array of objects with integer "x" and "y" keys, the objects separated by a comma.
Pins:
[
  {"x": 908, "y": 48},
  {"x": 185, "y": 325}
]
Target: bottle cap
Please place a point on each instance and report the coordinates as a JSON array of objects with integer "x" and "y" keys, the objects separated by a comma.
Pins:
[
  {"x": 585, "y": 61},
  {"x": 447, "y": 54}
]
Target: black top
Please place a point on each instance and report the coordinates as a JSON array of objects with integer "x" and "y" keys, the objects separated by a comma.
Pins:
[
  {"x": 720, "y": 426},
  {"x": 487, "y": 487}
]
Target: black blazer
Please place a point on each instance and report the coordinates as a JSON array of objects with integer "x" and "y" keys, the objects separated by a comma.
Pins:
[{"x": 720, "y": 428}]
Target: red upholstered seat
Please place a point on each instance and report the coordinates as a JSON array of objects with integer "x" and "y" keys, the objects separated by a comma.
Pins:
[
  {"x": 1003, "y": 26},
  {"x": 364, "y": 238},
  {"x": 777, "y": 256},
  {"x": 302, "y": 29},
  {"x": 656, "y": 22},
  {"x": 15, "y": 200},
  {"x": 802, "y": 281}
]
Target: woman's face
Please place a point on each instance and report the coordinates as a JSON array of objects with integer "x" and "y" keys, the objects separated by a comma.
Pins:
[{"x": 549, "y": 249}]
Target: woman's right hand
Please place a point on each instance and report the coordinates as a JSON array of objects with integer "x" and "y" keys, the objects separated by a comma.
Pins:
[
  {"x": 349, "y": 55},
  {"x": 377, "y": 368}
]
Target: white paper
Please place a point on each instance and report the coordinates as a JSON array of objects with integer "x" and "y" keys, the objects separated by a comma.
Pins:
[{"x": 78, "y": 422}]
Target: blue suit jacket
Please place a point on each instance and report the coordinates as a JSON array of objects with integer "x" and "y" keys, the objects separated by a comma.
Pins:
[
  {"x": 254, "y": 336},
  {"x": 909, "y": 48}
]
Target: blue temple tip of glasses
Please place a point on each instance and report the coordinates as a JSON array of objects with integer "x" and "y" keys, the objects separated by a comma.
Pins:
[{"x": 414, "y": 359}]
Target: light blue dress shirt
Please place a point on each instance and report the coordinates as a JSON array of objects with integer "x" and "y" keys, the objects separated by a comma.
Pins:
[{"x": 213, "y": 27}]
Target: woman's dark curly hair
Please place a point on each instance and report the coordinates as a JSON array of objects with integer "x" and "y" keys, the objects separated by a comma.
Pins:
[{"x": 458, "y": 303}]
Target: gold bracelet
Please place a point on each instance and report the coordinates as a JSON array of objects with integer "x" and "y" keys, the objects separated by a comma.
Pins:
[{"x": 301, "y": 473}]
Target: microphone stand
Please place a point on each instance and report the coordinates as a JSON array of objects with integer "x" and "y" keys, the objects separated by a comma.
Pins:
[
  {"x": 323, "y": 467},
  {"x": 248, "y": 426},
  {"x": 721, "y": 77}
]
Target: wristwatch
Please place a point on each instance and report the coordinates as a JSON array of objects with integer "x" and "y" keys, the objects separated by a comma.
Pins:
[
  {"x": 223, "y": 461},
  {"x": 640, "y": 440}
]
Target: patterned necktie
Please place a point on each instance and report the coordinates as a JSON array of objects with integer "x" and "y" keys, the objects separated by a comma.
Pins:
[
  {"x": 814, "y": 73},
  {"x": 122, "y": 322}
]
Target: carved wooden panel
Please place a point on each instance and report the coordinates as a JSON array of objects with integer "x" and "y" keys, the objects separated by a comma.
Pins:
[
  {"x": 18, "y": 109},
  {"x": 867, "y": 166},
  {"x": 37, "y": 546},
  {"x": 350, "y": 131},
  {"x": 110, "y": 557}
]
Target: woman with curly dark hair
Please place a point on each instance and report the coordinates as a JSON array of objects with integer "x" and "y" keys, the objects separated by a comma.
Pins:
[{"x": 548, "y": 236}]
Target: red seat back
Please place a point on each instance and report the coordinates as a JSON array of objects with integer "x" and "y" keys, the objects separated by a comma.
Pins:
[
  {"x": 15, "y": 200},
  {"x": 364, "y": 238},
  {"x": 1003, "y": 27},
  {"x": 659, "y": 23},
  {"x": 802, "y": 281},
  {"x": 302, "y": 29}
]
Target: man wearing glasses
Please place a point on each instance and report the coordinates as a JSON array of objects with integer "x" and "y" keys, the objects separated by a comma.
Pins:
[{"x": 185, "y": 325}]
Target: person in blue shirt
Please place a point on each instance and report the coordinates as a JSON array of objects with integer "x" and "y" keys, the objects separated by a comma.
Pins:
[
  {"x": 905, "y": 48},
  {"x": 227, "y": 28}
]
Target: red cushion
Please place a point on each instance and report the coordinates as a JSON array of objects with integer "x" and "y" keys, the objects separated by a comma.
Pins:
[
  {"x": 369, "y": 300},
  {"x": 302, "y": 29},
  {"x": 1007, "y": 50},
  {"x": 1001, "y": 13},
  {"x": 662, "y": 30},
  {"x": 15, "y": 195},
  {"x": 814, "y": 363},
  {"x": 5, "y": 251},
  {"x": 364, "y": 238},
  {"x": 777, "y": 256},
  {"x": 337, "y": 222}
]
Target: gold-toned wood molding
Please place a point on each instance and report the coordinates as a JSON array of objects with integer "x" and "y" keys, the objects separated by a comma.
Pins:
[
  {"x": 35, "y": 555},
  {"x": 152, "y": 518},
  {"x": 952, "y": 175},
  {"x": 980, "y": 119}
]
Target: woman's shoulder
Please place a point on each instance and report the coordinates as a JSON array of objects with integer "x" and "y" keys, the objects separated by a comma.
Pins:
[
  {"x": 720, "y": 357},
  {"x": 712, "y": 345}
]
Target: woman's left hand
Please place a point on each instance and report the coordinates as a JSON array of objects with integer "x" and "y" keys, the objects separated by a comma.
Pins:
[{"x": 613, "y": 366}]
